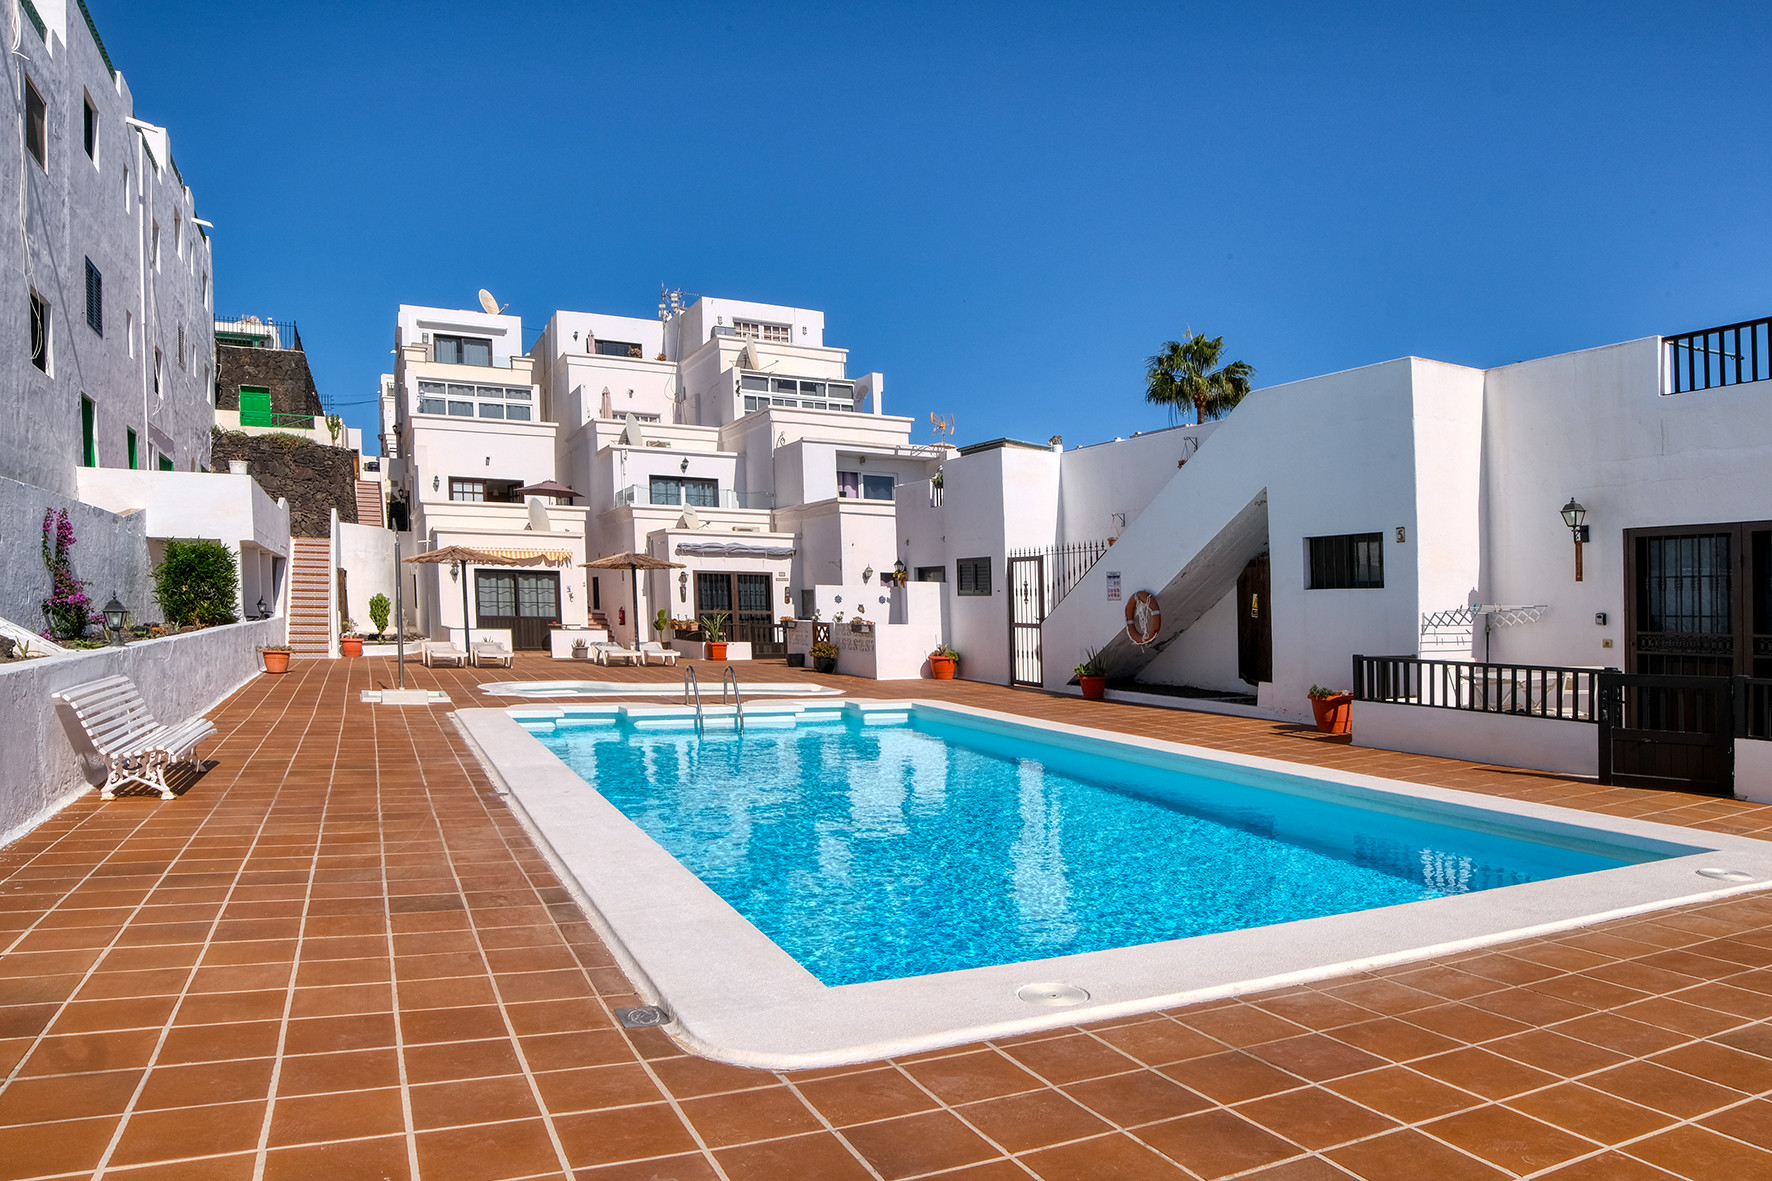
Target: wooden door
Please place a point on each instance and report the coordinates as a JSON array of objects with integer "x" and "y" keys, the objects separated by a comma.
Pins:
[{"x": 524, "y": 601}]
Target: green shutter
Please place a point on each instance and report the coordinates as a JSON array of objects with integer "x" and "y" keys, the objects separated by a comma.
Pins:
[
  {"x": 166, "y": 463},
  {"x": 130, "y": 437},
  {"x": 255, "y": 406}
]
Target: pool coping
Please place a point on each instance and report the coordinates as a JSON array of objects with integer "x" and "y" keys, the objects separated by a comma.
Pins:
[{"x": 735, "y": 996}]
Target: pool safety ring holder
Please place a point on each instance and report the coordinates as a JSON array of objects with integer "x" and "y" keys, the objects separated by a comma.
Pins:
[{"x": 1144, "y": 618}]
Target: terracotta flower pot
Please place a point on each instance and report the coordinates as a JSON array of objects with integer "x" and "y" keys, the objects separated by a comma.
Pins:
[
  {"x": 942, "y": 667},
  {"x": 1094, "y": 688},
  {"x": 276, "y": 662},
  {"x": 350, "y": 646},
  {"x": 1335, "y": 715},
  {"x": 717, "y": 650}
]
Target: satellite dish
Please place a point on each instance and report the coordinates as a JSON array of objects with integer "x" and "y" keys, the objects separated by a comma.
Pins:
[
  {"x": 490, "y": 304},
  {"x": 748, "y": 357},
  {"x": 631, "y": 433},
  {"x": 538, "y": 515},
  {"x": 691, "y": 519}
]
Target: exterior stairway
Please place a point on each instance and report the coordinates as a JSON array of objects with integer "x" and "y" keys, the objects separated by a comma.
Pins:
[
  {"x": 369, "y": 504},
  {"x": 310, "y": 595}
]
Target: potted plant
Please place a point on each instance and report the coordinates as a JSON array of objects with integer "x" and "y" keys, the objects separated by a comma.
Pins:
[
  {"x": 942, "y": 663},
  {"x": 1334, "y": 709},
  {"x": 350, "y": 640},
  {"x": 1092, "y": 675},
  {"x": 824, "y": 656},
  {"x": 276, "y": 657},
  {"x": 580, "y": 649},
  {"x": 859, "y": 623},
  {"x": 713, "y": 626},
  {"x": 661, "y": 623}
]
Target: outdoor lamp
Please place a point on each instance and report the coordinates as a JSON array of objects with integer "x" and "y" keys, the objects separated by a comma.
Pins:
[
  {"x": 454, "y": 571},
  {"x": 898, "y": 568},
  {"x": 682, "y": 586},
  {"x": 436, "y": 482},
  {"x": 114, "y": 613},
  {"x": 867, "y": 575},
  {"x": 264, "y": 612},
  {"x": 1575, "y": 517}
]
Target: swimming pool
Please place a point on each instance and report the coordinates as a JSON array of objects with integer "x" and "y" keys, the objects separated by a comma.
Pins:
[{"x": 848, "y": 879}]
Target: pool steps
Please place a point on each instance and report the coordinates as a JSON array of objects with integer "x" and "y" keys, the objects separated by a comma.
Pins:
[{"x": 773, "y": 715}]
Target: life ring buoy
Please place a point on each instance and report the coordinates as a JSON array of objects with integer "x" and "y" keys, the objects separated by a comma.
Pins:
[{"x": 1144, "y": 618}]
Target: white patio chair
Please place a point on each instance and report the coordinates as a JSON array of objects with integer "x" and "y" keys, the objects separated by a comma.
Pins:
[
  {"x": 490, "y": 652},
  {"x": 653, "y": 652},
  {"x": 613, "y": 651},
  {"x": 443, "y": 654}
]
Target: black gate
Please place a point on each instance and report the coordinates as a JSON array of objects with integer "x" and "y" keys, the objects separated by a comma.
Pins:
[
  {"x": 1027, "y": 608},
  {"x": 1668, "y": 732}
]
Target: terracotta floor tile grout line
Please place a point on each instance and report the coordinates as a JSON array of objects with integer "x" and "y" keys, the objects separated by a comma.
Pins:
[{"x": 377, "y": 721}]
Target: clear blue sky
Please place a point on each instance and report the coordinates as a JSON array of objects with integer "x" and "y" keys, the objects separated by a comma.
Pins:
[{"x": 1005, "y": 209}]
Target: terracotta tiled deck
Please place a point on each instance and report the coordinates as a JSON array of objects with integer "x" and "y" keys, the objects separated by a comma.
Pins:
[{"x": 337, "y": 956}]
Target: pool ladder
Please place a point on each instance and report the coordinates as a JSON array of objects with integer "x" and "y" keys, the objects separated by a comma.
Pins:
[{"x": 692, "y": 691}]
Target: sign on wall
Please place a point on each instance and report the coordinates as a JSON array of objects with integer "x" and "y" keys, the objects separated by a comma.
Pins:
[{"x": 1113, "y": 583}]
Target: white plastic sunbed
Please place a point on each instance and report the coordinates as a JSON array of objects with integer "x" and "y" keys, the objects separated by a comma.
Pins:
[{"x": 653, "y": 652}]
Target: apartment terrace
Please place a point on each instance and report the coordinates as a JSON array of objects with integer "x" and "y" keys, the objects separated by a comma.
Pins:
[{"x": 337, "y": 954}]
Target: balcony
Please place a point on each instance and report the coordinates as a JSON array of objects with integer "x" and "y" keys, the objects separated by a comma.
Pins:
[
  {"x": 253, "y": 333},
  {"x": 1733, "y": 354},
  {"x": 678, "y": 496}
]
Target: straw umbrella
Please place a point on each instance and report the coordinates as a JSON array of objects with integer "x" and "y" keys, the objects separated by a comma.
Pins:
[
  {"x": 549, "y": 488},
  {"x": 633, "y": 564}
]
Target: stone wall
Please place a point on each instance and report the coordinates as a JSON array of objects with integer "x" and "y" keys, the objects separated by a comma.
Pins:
[
  {"x": 314, "y": 477},
  {"x": 110, "y": 554},
  {"x": 49, "y": 761},
  {"x": 282, "y": 371}
]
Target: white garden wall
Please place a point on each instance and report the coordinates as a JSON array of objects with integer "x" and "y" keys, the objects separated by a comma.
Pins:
[
  {"x": 1753, "y": 770},
  {"x": 1542, "y": 744},
  {"x": 179, "y": 677}
]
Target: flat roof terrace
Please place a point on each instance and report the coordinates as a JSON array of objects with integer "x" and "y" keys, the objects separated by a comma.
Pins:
[{"x": 338, "y": 954}]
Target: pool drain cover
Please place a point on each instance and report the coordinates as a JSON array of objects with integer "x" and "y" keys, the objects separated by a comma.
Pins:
[
  {"x": 641, "y": 1018},
  {"x": 1054, "y": 996},
  {"x": 1726, "y": 875}
]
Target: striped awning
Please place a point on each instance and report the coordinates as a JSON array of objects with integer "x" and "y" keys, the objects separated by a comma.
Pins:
[{"x": 530, "y": 557}]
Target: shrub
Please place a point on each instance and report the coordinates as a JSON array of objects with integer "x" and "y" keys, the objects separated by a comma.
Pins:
[
  {"x": 67, "y": 609},
  {"x": 378, "y": 612},
  {"x": 197, "y": 582}
]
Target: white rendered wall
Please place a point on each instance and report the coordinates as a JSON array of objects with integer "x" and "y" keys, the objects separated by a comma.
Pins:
[
  {"x": 1205, "y": 655},
  {"x": 1753, "y": 770},
  {"x": 1543, "y": 744},
  {"x": 366, "y": 554},
  {"x": 1119, "y": 476}
]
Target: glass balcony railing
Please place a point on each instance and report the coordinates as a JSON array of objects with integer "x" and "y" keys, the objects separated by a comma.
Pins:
[{"x": 685, "y": 494}]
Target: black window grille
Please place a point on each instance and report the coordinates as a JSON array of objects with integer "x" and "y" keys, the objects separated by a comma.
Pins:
[
  {"x": 972, "y": 576},
  {"x": 90, "y": 130},
  {"x": 1350, "y": 561},
  {"x": 95, "y": 298}
]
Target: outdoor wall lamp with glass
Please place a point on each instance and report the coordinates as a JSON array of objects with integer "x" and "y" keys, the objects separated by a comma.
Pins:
[
  {"x": 114, "y": 614},
  {"x": 454, "y": 571},
  {"x": 264, "y": 612},
  {"x": 1575, "y": 516},
  {"x": 867, "y": 575},
  {"x": 682, "y": 586}
]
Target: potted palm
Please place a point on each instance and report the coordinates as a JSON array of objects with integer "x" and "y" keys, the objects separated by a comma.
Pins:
[
  {"x": 1092, "y": 675},
  {"x": 713, "y": 628},
  {"x": 276, "y": 657},
  {"x": 824, "y": 657},
  {"x": 942, "y": 663},
  {"x": 1334, "y": 709}
]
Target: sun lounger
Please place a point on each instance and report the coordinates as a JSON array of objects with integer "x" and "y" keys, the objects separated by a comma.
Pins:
[
  {"x": 134, "y": 746},
  {"x": 613, "y": 651},
  {"x": 653, "y": 652},
  {"x": 443, "y": 653},
  {"x": 489, "y": 652}
]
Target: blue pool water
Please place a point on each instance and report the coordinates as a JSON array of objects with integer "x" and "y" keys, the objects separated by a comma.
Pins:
[{"x": 870, "y": 852}]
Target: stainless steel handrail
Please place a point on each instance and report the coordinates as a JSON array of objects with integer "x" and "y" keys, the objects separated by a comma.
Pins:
[
  {"x": 731, "y": 674},
  {"x": 691, "y": 683}
]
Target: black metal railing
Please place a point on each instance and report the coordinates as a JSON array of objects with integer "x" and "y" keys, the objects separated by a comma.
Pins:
[
  {"x": 1753, "y": 708},
  {"x": 252, "y": 332},
  {"x": 1521, "y": 690},
  {"x": 1730, "y": 355},
  {"x": 1064, "y": 566}
]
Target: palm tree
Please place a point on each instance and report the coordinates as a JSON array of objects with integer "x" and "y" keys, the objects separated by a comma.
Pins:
[{"x": 1187, "y": 373}]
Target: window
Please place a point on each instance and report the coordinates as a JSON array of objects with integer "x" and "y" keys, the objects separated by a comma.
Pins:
[
  {"x": 621, "y": 348},
  {"x": 129, "y": 330},
  {"x": 126, "y": 188},
  {"x": 36, "y": 125},
  {"x": 181, "y": 346},
  {"x": 474, "y": 490},
  {"x": 129, "y": 447},
  {"x": 849, "y": 485},
  {"x": 88, "y": 432},
  {"x": 95, "y": 298},
  {"x": 1350, "y": 561},
  {"x": 166, "y": 464},
  {"x": 461, "y": 350},
  {"x": 154, "y": 246},
  {"x": 205, "y": 289},
  {"x": 178, "y": 235},
  {"x": 39, "y": 332},
  {"x": 696, "y": 493},
  {"x": 90, "y": 130},
  {"x": 878, "y": 487},
  {"x": 485, "y": 491},
  {"x": 159, "y": 368},
  {"x": 972, "y": 576},
  {"x": 932, "y": 573},
  {"x": 774, "y": 333},
  {"x": 498, "y": 409}
]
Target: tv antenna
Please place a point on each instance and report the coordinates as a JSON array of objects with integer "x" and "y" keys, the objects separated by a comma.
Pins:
[
  {"x": 941, "y": 427},
  {"x": 489, "y": 304},
  {"x": 670, "y": 301}
]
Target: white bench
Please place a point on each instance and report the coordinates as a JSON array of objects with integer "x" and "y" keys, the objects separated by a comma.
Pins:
[{"x": 134, "y": 746}]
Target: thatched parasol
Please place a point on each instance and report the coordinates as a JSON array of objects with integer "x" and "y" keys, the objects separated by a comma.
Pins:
[
  {"x": 633, "y": 563},
  {"x": 548, "y": 488}
]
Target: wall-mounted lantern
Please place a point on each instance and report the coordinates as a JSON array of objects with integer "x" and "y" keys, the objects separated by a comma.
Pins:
[
  {"x": 436, "y": 482},
  {"x": 1575, "y": 517},
  {"x": 455, "y": 571},
  {"x": 682, "y": 586},
  {"x": 264, "y": 612},
  {"x": 867, "y": 575},
  {"x": 114, "y": 615}
]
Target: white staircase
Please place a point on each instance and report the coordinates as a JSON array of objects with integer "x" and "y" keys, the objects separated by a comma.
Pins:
[{"x": 310, "y": 595}]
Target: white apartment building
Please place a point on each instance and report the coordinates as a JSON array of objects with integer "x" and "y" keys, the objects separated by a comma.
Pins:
[
  {"x": 725, "y": 435},
  {"x": 111, "y": 290}
]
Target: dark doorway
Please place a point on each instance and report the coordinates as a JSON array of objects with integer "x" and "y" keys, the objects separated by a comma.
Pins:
[
  {"x": 1027, "y": 610},
  {"x": 1255, "y": 627},
  {"x": 1699, "y": 600},
  {"x": 525, "y": 601},
  {"x": 745, "y": 598}
]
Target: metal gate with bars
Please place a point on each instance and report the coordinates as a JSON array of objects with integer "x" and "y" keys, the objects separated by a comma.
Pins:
[
  {"x": 1669, "y": 732},
  {"x": 1027, "y": 610}
]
